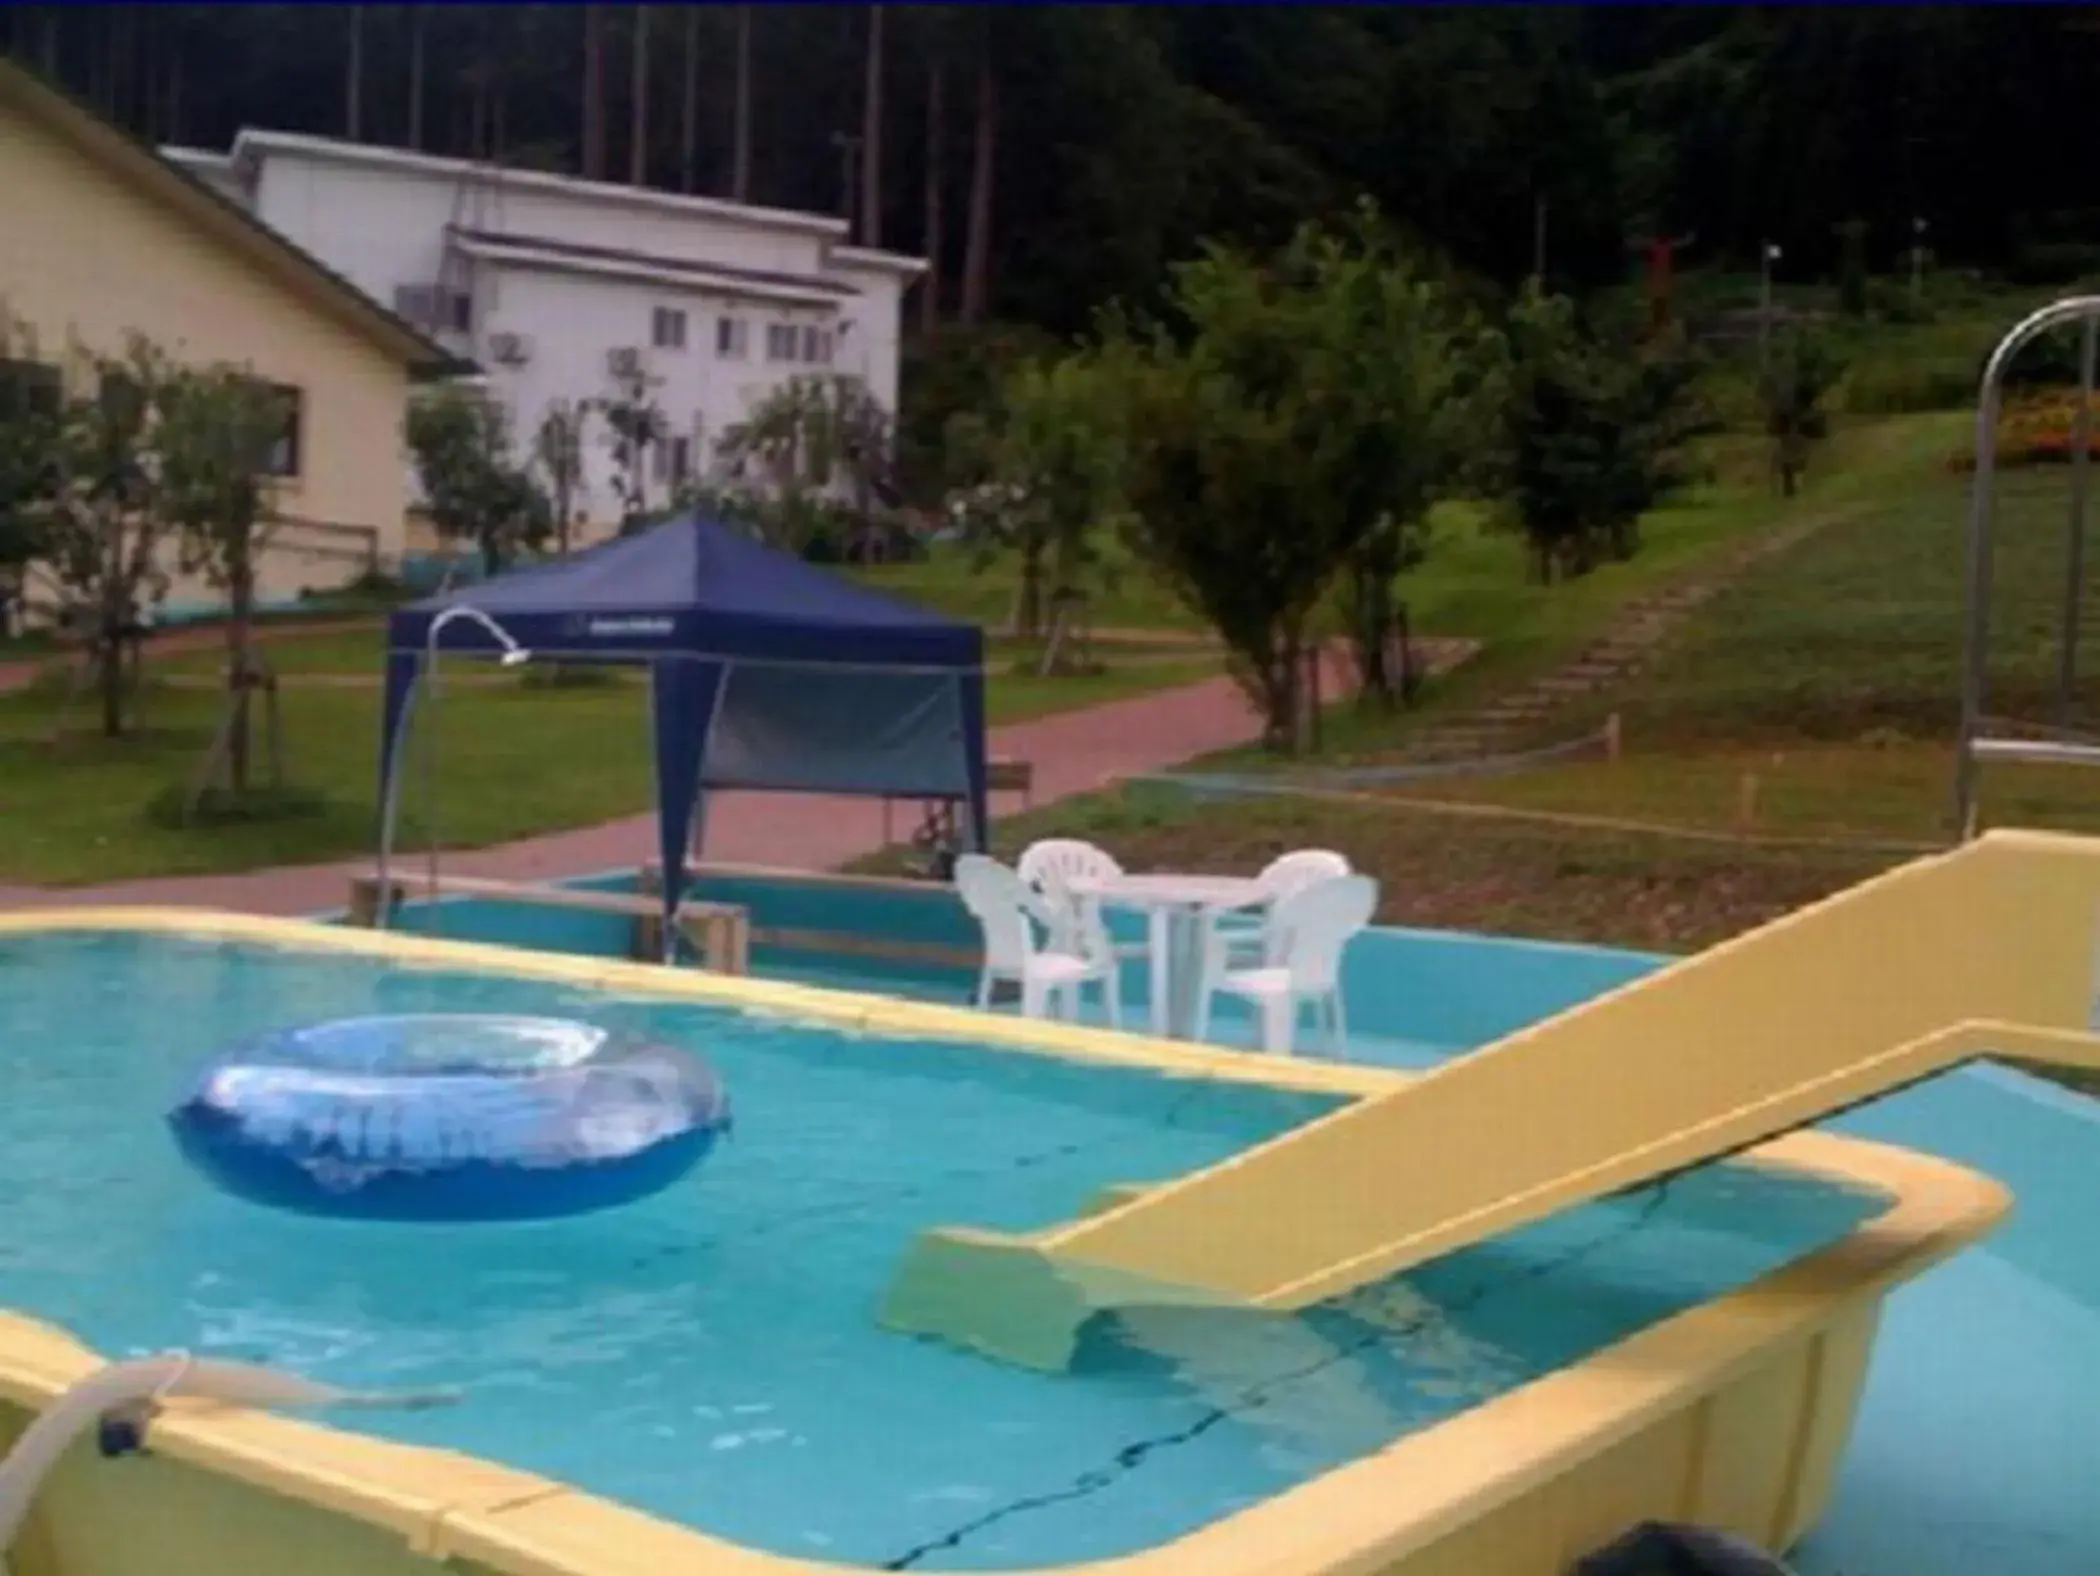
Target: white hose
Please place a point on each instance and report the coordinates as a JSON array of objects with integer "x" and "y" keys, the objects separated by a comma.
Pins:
[{"x": 149, "y": 1380}]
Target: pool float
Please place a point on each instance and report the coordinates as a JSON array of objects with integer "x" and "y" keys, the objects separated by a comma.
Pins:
[{"x": 449, "y": 1117}]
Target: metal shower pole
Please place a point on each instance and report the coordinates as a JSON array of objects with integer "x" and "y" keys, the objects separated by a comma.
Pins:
[
  {"x": 1971, "y": 746},
  {"x": 390, "y": 801}
]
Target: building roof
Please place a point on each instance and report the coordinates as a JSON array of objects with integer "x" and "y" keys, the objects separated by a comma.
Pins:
[
  {"x": 696, "y": 585},
  {"x": 135, "y": 161},
  {"x": 253, "y": 144},
  {"x": 531, "y": 251},
  {"x": 878, "y": 261}
]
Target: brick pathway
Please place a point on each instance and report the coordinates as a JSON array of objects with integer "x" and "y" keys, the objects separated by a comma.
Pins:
[{"x": 1074, "y": 752}]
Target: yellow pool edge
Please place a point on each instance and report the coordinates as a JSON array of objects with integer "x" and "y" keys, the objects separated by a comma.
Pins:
[{"x": 1733, "y": 1413}]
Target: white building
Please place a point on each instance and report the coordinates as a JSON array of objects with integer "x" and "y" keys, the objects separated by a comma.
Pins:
[{"x": 553, "y": 283}]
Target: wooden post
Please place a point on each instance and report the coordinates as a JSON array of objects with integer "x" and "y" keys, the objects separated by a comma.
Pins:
[
  {"x": 1746, "y": 803},
  {"x": 365, "y": 900},
  {"x": 1613, "y": 739},
  {"x": 1314, "y": 699}
]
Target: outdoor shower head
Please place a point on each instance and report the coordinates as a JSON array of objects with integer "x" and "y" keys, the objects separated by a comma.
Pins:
[{"x": 513, "y": 653}]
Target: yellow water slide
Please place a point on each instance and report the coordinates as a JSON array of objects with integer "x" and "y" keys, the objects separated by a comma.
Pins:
[{"x": 1988, "y": 949}]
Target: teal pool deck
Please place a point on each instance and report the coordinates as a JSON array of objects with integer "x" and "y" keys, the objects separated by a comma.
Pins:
[{"x": 1982, "y": 1409}]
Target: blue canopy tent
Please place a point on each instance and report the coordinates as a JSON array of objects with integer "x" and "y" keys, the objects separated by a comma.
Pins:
[{"x": 765, "y": 673}]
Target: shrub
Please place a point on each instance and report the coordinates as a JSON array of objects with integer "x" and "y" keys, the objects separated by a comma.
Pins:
[
  {"x": 2038, "y": 430},
  {"x": 1905, "y": 386},
  {"x": 1803, "y": 371},
  {"x": 2053, "y": 262},
  {"x": 1893, "y": 302}
]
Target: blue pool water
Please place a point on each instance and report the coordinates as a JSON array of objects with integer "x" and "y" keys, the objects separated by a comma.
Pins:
[{"x": 711, "y": 1355}]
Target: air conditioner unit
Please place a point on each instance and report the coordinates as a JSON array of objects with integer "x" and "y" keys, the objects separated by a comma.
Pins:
[
  {"x": 510, "y": 350},
  {"x": 626, "y": 362}
]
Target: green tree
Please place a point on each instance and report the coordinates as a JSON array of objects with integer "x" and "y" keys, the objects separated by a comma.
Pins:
[
  {"x": 635, "y": 424},
  {"x": 813, "y": 458},
  {"x": 557, "y": 453},
  {"x": 1422, "y": 401},
  {"x": 215, "y": 428},
  {"x": 1048, "y": 477},
  {"x": 1803, "y": 369},
  {"x": 472, "y": 487},
  {"x": 1591, "y": 435},
  {"x": 99, "y": 529},
  {"x": 1262, "y": 438}
]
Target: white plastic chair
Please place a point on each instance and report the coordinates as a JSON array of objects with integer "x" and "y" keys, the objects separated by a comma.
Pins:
[
  {"x": 1052, "y": 865},
  {"x": 1241, "y": 936},
  {"x": 1308, "y": 932},
  {"x": 1008, "y": 910}
]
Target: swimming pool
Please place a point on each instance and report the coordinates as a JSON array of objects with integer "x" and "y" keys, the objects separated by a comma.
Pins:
[
  {"x": 2004, "y": 1339},
  {"x": 712, "y": 1356}
]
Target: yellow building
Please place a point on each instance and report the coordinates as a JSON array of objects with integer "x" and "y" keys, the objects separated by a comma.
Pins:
[{"x": 101, "y": 237}]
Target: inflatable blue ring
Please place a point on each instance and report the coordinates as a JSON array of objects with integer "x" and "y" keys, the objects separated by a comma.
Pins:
[{"x": 447, "y": 1117}]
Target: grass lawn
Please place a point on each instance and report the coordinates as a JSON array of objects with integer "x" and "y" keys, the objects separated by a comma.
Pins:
[
  {"x": 1512, "y": 879},
  {"x": 1474, "y": 584},
  {"x": 513, "y": 760},
  {"x": 1831, "y": 675},
  {"x": 1827, "y": 673}
]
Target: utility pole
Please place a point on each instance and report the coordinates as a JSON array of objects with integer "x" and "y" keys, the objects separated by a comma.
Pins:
[
  {"x": 354, "y": 84},
  {"x": 638, "y": 130},
  {"x": 740, "y": 133},
  {"x": 1768, "y": 254},
  {"x": 871, "y": 137},
  {"x": 689, "y": 107},
  {"x": 1538, "y": 240},
  {"x": 849, "y": 153},
  {"x": 1917, "y": 261}
]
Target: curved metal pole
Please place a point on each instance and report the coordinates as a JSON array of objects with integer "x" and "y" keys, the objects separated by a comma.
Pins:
[
  {"x": 2074, "y": 547},
  {"x": 426, "y": 681},
  {"x": 1976, "y": 636}
]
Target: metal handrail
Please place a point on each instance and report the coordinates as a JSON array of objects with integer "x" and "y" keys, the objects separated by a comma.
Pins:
[{"x": 1971, "y": 746}]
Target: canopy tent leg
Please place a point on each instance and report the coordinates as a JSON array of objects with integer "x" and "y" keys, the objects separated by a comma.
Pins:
[
  {"x": 969, "y": 694},
  {"x": 685, "y": 701}
]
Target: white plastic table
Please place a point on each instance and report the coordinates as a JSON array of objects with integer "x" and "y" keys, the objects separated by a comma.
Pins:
[{"x": 1176, "y": 909}]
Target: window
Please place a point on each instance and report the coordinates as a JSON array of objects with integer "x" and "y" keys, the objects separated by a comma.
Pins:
[
  {"x": 673, "y": 464},
  {"x": 30, "y": 388},
  {"x": 289, "y": 451},
  {"x": 667, "y": 328},
  {"x": 435, "y": 308},
  {"x": 780, "y": 341},
  {"x": 816, "y": 346},
  {"x": 732, "y": 338}
]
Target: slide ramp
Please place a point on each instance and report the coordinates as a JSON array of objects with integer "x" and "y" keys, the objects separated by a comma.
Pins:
[{"x": 1987, "y": 949}]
